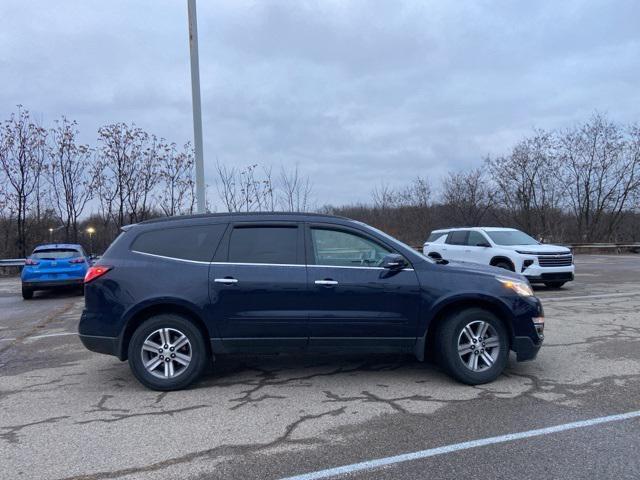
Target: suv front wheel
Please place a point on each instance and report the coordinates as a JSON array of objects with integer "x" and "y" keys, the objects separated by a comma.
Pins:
[
  {"x": 473, "y": 346},
  {"x": 167, "y": 352}
]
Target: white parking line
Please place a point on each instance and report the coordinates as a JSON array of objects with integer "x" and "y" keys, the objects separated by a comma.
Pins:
[
  {"x": 456, "y": 447},
  {"x": 63, "y": 334},
  {"x": 586, "y": 297}
]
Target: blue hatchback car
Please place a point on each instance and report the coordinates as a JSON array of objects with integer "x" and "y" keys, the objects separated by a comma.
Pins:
[
  {"x": 170, "y": 294},
  {"x": 53, "y": 266}
]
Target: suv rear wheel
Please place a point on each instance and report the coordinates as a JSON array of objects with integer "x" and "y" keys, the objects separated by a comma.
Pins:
[
  {"x": 167, "y": 352},
  {"x": 473, "y": 346},
  {"x": 27, "y": 293}
]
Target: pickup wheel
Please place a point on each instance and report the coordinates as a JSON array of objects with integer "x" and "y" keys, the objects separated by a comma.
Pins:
[
  {"x": 167, "y": 352},
  {"x": 27, "y": 293},
  {"x": 473, "y": 346}
]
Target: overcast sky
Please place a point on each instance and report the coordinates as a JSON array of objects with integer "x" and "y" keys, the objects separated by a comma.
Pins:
[{"x": 355, "y": 92}]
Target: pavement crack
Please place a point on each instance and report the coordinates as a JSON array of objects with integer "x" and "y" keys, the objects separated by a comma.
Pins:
[
  {"x": 116, "y": 417},
  {"x": 215, "y": 452},
  {"x": 11, "y": 435}
]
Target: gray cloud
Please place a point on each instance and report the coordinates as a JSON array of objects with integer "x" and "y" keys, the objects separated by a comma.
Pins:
[{"x": 355, "y": 92}]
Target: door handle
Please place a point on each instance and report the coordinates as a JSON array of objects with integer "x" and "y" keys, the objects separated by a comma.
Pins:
[
  {"x": 226, "y": 281},
  {"x": 326, "y": 283}
]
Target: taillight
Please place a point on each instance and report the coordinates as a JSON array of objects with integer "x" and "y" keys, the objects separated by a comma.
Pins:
[
  {"x": 95, "y": 272},
  {"x": 77, "y": 260},
  {"x": 30, "y": 261}
]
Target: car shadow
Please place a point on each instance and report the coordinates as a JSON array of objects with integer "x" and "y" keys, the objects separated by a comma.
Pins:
[{"x": 68, "y": 292}]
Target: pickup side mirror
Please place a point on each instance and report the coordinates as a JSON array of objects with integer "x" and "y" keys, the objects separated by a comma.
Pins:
[{"x": 393, "y": 261}]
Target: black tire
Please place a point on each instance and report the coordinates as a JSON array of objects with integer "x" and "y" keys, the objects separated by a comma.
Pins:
[
  {"x": 554, "y": 284},
  {"x": 27, "y": 293},
  {"x": 447, "y": 344},
  {"x": 434, "y": 255},
  {"x": 197, "y": 349},
  {"x": 504, "y": 264}
]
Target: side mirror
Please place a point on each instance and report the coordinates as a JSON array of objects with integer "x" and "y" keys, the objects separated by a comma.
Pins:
[
  {"x": 482, "y": 244},
  {"x": 393, "y": 261}
]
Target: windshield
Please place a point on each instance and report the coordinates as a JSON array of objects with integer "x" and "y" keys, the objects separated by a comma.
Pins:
[
  {"x": 511, "y": 237},
  {"x": 55, "y": 254}
]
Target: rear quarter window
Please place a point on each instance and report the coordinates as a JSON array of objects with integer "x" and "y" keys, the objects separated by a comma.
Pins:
[
  {"x": 197, "y": 243},
  {"x": 435, "y": 236}
]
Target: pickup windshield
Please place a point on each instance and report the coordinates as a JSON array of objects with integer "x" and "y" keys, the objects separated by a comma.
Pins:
[{"x": 511, "y": 237}]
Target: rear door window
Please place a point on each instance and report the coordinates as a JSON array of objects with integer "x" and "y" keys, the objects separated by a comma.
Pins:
[
  {"x": 269, "y": 245},
  {"x": 475, "y": 238},
  {"x": 458, "y": 237},
  {"x": 197, "y": 242}
]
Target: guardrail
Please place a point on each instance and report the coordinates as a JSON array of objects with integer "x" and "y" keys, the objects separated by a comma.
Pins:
[
  {"x": 12, "y": 262},
  {"x": 618, "y": 247},
  {"x": 615, "y": 247}
]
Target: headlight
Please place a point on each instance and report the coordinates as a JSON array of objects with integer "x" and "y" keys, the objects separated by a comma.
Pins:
[{"x": 521, "y": 288}]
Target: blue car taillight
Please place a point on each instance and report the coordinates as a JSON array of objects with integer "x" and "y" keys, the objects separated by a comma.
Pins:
[
  {"x": 77, "y": 260},
  {"x": 30, "y": 261}
]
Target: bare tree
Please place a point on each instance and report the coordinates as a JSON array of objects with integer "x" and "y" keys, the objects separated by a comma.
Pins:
[
  {"x": 22, "y": 147},
  {"x": 120, "y": 149},
  {"x": 294, "y": 191},
  {"x": 69, "y": 176},
  {"x": 468, "y": 194},
  {"x": 415, "y": 194},
  {"x": 601, "y": 169},
  {"x": 245, "y": 190},
  {"x": 176, "y": 196},
  {"x": 142, "y": 180},
  {"x": 527, "y": 184}
]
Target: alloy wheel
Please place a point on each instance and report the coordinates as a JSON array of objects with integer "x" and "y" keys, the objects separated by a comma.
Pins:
[
  {"x": 166, "y": 353},
  {"x": 478, "y": 345}
]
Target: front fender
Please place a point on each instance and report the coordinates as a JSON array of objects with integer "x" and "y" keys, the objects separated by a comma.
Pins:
[{"x": 462, "y": 299}]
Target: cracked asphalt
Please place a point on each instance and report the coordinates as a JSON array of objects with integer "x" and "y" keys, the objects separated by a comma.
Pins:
[{"x": 66, "y": 413}]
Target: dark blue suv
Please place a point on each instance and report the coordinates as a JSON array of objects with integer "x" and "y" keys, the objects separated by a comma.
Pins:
[{"x": 170, "y": 294}]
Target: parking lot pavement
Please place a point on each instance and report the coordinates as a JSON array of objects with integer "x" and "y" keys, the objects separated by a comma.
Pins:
[{"x": 69, "y": 413}]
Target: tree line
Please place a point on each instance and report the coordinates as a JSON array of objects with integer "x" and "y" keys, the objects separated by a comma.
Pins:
[
  {"x": 576, "y": 185},
  {"x": 55, "y": 188},
  {"x": 580, "y": 184}
]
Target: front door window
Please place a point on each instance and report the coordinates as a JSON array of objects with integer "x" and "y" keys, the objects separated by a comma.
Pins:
[{"x": 339, "y": 248}]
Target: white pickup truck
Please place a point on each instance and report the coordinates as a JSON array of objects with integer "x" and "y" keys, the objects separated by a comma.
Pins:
[{"x": 506, "y": 248}]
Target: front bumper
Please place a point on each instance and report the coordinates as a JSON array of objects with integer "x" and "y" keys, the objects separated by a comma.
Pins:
[
  {"x": 48, "y": 284},
  {"x": 525, "y": 348},
  {"x": 551, "y": 277},
  {"x": 537, "y": 274}
]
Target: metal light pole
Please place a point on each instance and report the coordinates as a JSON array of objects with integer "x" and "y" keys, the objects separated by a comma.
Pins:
[{"x": 197, "y": 111}]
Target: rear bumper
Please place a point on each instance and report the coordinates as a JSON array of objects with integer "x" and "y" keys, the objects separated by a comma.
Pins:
[
  {"x": 525, "y": 348},
  {"x": 48, "y": 284},
  {"x": 106, "y": 345}
]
